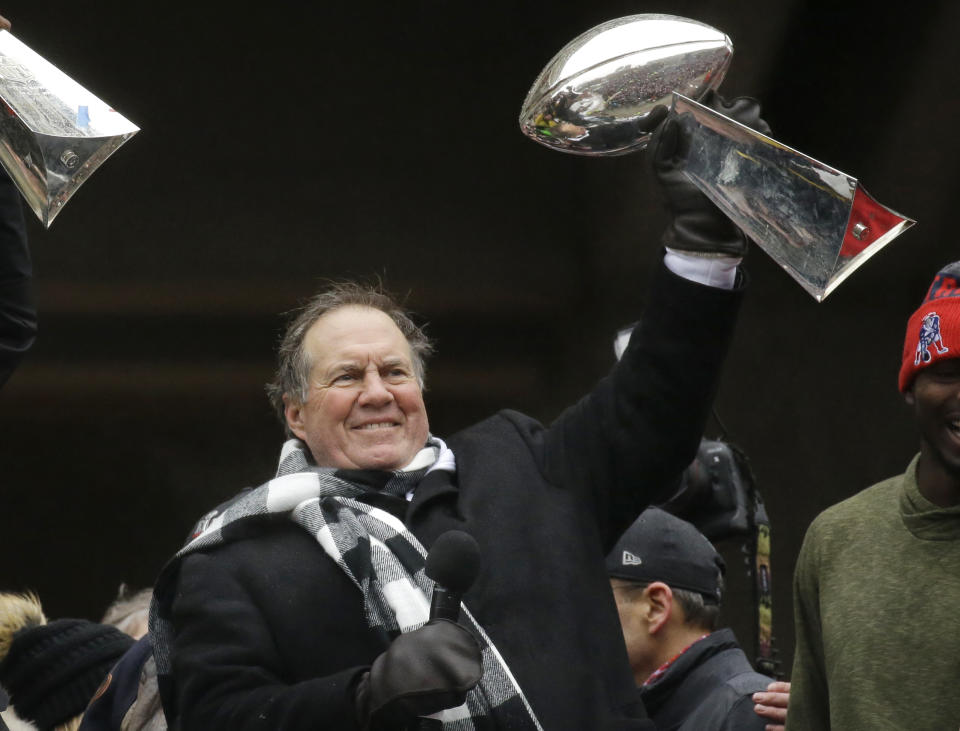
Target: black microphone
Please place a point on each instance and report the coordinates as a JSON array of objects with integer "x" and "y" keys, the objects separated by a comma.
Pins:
[{"x": 453, "y": 563}]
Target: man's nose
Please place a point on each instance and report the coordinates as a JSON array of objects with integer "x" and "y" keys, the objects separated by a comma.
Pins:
[{"x": 374, "y": 391}]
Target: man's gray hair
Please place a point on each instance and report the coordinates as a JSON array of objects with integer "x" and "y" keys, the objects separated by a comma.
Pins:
[
  {"x": 697, "y": 612},
  {"x": 292, "y": 376}
]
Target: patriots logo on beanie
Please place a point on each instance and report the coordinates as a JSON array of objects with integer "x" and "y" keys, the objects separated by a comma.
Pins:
[
  {"x": 929, "y": 335},
  {"x": 932, "y": 326}
]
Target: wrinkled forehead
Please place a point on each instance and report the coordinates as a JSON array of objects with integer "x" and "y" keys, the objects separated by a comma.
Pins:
[{"x": 354, "y": 332}]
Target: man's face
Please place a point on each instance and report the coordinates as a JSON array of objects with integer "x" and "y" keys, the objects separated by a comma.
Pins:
[
  {"x": 364, "y": 407},
  {"x": 935, "y": 398},
  {"x": 636, "y": 631}
]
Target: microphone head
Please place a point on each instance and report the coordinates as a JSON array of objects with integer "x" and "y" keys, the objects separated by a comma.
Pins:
[{"x": 454, "y": 561}]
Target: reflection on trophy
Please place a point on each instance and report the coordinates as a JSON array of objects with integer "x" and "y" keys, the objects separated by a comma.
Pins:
[
  {"x": 53, "y": 132},
  {"x": 595, "y": 98}
]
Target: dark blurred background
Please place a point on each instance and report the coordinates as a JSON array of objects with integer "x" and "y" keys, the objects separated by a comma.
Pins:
[{"x": 309, "y": 141}]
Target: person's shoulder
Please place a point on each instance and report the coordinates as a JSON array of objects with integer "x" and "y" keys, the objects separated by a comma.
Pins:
[
  {"x": 504, "y": 424},
  {"x": 739, "y": 675},
  {"x": 502, "y": 417},
  {"x": 732, "y": 702},
  {"x": 258, "y": 555},
  {"x": 261, "y": 534},
  {"x": 278, "y": 574},
  {"x": 729, "y": 705},
  {"x": 742, "y": 717},
  {"x": 859, "y": 507},
  {"x": 852, "y": 522},
  {"x": 748, "y": 683}
]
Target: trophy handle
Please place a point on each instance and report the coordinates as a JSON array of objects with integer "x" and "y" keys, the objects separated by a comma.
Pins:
[{"x": 816, "y": 222}]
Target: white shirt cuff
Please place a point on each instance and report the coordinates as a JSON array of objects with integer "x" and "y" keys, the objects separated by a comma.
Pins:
[{"x": 713, "y": 271}]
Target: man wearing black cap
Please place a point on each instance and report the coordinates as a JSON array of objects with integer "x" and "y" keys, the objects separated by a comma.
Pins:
[
  {"x": 877, "y": 581},
  {"x": 667, "y": 581}
]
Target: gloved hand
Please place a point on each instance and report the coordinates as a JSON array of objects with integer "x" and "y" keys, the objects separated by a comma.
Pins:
[
  {"x": 697, "y": 226},
  {"x": 422, "y": 672}
]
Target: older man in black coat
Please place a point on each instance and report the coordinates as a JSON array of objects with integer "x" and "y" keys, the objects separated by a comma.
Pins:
[{"x": 301, "y": 604}]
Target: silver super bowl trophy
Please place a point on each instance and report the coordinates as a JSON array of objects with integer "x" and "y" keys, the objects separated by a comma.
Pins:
[
  {"x": 53, "y": 132},
  {"x": 595, "y": 97}
]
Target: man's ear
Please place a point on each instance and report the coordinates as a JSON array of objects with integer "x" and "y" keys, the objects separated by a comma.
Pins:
[
  {"x": 293, "y": 411},
  {"x": 659, "y": 605},
  {"x": 909, "y": 397}
]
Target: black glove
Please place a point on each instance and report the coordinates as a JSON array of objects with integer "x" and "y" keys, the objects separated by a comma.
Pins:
[
  {"x": 422, "y": 672},
  {"x": 697, "y": 226}
]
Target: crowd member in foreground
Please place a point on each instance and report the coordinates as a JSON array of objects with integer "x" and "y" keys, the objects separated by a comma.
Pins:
[
  {"x": 878, "y": 577},
  {"x": 304, "y": 602}
]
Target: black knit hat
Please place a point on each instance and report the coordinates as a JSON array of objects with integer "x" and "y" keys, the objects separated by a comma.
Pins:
[
  {"x": 661, "y": 547},
  {"x": 52, "y": 670}
]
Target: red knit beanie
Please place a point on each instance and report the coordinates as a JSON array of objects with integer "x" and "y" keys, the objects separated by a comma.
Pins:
[{"x": 933, "y": 331}]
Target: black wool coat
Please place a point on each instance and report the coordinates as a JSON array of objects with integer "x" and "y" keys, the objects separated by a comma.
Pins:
[
  {"x": 270, "y": 634},
  {"x": 18, "y": 314}
]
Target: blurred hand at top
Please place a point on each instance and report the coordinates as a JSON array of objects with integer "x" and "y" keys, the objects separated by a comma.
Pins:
[{"x": 4, "y": 23}]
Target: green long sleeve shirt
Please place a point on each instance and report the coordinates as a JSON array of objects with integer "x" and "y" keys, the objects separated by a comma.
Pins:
[{"x": 877, "y": 614}]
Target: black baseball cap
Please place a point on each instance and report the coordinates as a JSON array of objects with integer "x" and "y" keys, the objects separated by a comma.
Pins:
[{"x": 661, "y": 547}]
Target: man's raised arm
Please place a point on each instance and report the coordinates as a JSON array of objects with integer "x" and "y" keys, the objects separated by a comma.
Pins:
[{"x": 626, "y": 443}]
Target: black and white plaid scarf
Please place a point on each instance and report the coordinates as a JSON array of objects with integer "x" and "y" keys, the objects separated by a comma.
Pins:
[{"x": 375, "y": 550}]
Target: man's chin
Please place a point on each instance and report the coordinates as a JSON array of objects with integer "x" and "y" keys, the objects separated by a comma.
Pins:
[
  {"x": 382, "y": 459},
  {"x": 945, "y": 457}
]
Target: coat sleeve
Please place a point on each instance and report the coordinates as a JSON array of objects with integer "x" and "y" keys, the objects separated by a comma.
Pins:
[
  {"x": 18, "y": 317},
  {"x": 809, "y": 697},
  {"x": 230, "y": 673},
  {"x": 625, "y": 445},
  {"x": 742, "y": 717}
]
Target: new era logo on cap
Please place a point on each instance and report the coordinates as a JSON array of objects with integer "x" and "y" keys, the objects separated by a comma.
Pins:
[{"x": 630, "y": 559}]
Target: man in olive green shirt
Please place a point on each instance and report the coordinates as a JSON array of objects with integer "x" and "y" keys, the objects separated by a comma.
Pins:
[{"x": 877, "y": 585}]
